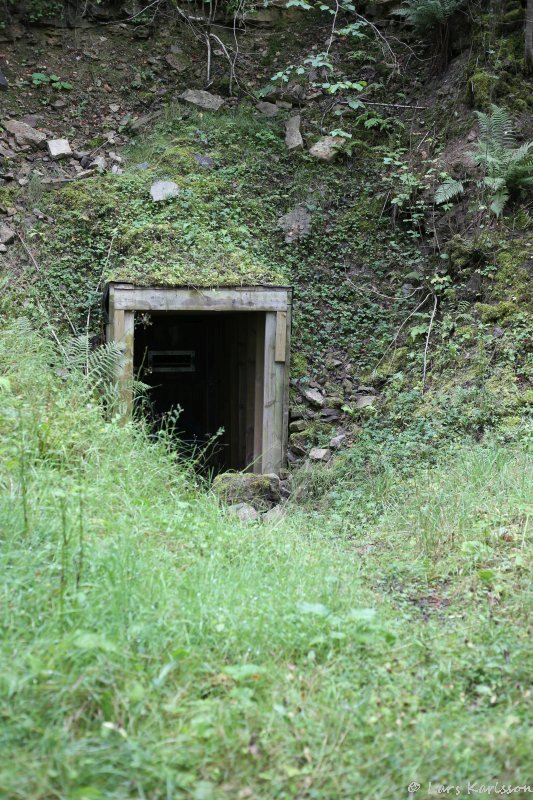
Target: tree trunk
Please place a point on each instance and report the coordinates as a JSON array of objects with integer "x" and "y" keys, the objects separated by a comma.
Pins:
[{"x": 529, "y": 36}]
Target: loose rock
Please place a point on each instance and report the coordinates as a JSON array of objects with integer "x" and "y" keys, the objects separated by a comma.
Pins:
[
  {"x": 326, "y": 149},
  {"x": 59, "y": 148},
  {"x": 268, "y": 109},
  {"x": 293, "y": 137},
  {"x": 206, "y": 162},
  {"x": 320, "y": 454},
  {"x": 313, "y": 397},
  {"x": 244, "y": 512},
  {"x": 330, "y": 414},
  {"x": 365, "y": 400},
  {"x": 3, "y": 81},
  {"x": 98, "y": 163},
  {"x": 337, "y": 441},
  {"x": 202, "y": 99},
  {"x": 25, "y": 136},
  {"x": 177, "y": 61},
  {"x": 297, "y": 426},
  {"x": 296, "y": 224},
  {"x": 7, "y": 234},
  {"x": 163, "y": 190},
  {"x": 261, "y": 491},
  {"x": 275, "y": 514}
]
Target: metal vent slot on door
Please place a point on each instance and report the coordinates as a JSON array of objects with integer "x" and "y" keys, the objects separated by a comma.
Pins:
[{"x": 171, "y": 360}]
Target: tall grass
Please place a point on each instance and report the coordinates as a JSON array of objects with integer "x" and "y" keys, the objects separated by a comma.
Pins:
[{"x": 152, "y": 648}]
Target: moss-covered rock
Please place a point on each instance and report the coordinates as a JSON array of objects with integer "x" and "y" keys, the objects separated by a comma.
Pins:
[
  {"x": 499, "y": 312},
  {"x": 261, "y": 491}
]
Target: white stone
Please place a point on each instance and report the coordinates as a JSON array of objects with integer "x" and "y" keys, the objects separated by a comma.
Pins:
[
  {"x": 163, "y": 190},
  {"x": 326, "y": 149},
  {"x": 293, "y": 137},
  {"x": 59, "y": 148},
  {"x": 24, "y": 134},
  {"x": 98, "y": 163},
  {"x": 7, "y": 234},
  {"x": 320, "y": 454},
  {"x": 202, "y": 99},
  {"x": 313, "y": 397}
]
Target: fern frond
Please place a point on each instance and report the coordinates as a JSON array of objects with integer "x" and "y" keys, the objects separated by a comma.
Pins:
[
  {"x": 448, "y": 190},
  {"x": 495, "y": 129},
  {"x": 427, "y": 14},
  {"x": 498, "y": 202}
]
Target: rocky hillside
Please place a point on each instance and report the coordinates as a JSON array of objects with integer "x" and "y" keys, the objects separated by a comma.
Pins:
[{"x": 383, "y": 171}]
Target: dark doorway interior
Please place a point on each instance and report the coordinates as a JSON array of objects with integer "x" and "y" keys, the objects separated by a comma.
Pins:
[{"x": 211, "y": 366}]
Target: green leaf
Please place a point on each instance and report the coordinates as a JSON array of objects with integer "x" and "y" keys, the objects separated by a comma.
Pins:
[{"x": 39, "y": 77}]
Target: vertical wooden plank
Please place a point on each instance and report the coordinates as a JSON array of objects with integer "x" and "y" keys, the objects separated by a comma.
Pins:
[
  {"x": 270, "y": 455},
  {"x": 250, "y": 389},
  {"x": 258, "y": 392},
  {"x": 281, "y": 336},
  {"x": 109, "y": 328},
  {"x": 233, "y": 351},
  {"x": 242, "y": 328},
  {"x": 123, "y": 332},
  {"x": 286, "y": 377}
]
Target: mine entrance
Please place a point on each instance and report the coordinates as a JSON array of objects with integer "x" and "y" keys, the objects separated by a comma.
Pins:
[
  {"x": 205, "y": 366},
  {"x": 220, "y": 354}
]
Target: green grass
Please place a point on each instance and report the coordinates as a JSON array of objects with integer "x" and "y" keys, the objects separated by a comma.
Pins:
[{"x": 152, "y": 648}]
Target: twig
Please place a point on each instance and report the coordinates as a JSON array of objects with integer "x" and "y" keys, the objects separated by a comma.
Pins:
[
  {"x": 380, "y": 36},
  {"x": 404, "y": 323},
  {"x": 385, "y": 296},
  {"x": 208, "y": 67},
  {"x": 138, "y": 14},
  {"x": 393, "y": 105},
  {"x": 333, "y": 26},
  {"x": 427, "y": 343}
]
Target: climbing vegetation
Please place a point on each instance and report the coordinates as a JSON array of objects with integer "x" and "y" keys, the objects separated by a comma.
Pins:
[
  {"x": 426, "y": 15},
  {"x": 506, "y": 167}
]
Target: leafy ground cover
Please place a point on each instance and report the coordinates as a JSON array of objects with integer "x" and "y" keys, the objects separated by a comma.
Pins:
[{"x": 152, "y": 648}]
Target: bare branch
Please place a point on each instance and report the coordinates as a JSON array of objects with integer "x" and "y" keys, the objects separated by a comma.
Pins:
[{"x": 427, "y": 343}]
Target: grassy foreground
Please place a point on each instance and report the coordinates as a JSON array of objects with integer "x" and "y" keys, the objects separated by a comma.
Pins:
[{"x": 152, "y": 648}]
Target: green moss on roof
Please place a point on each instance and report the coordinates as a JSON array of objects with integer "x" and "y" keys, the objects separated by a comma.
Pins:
[
  {"x": 199, "y": 238},
  {"x": 217, "y": 231}
]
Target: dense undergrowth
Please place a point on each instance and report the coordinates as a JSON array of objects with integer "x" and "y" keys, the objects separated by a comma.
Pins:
[
  {"x": 364, "y": 290},
  {"x": 377, "y": 635},
  {"x": 152, "y": 648}
]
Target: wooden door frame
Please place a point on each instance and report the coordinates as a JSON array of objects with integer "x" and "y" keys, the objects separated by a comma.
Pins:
[{"x": 271, "y": 385}]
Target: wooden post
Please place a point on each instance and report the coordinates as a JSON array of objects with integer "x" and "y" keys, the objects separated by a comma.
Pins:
[
  {"x": 123, "y": 326},
  {"x": 272, "y": 399},
  {"x": 250, "y": 391},
  {"x": 259, "y": 399},
  {"x": 286, "y": 379},
  {"x": 281, "y": 336}
]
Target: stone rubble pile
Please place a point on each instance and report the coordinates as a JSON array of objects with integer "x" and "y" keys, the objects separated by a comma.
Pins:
[{"x": 327, "y": 406}]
